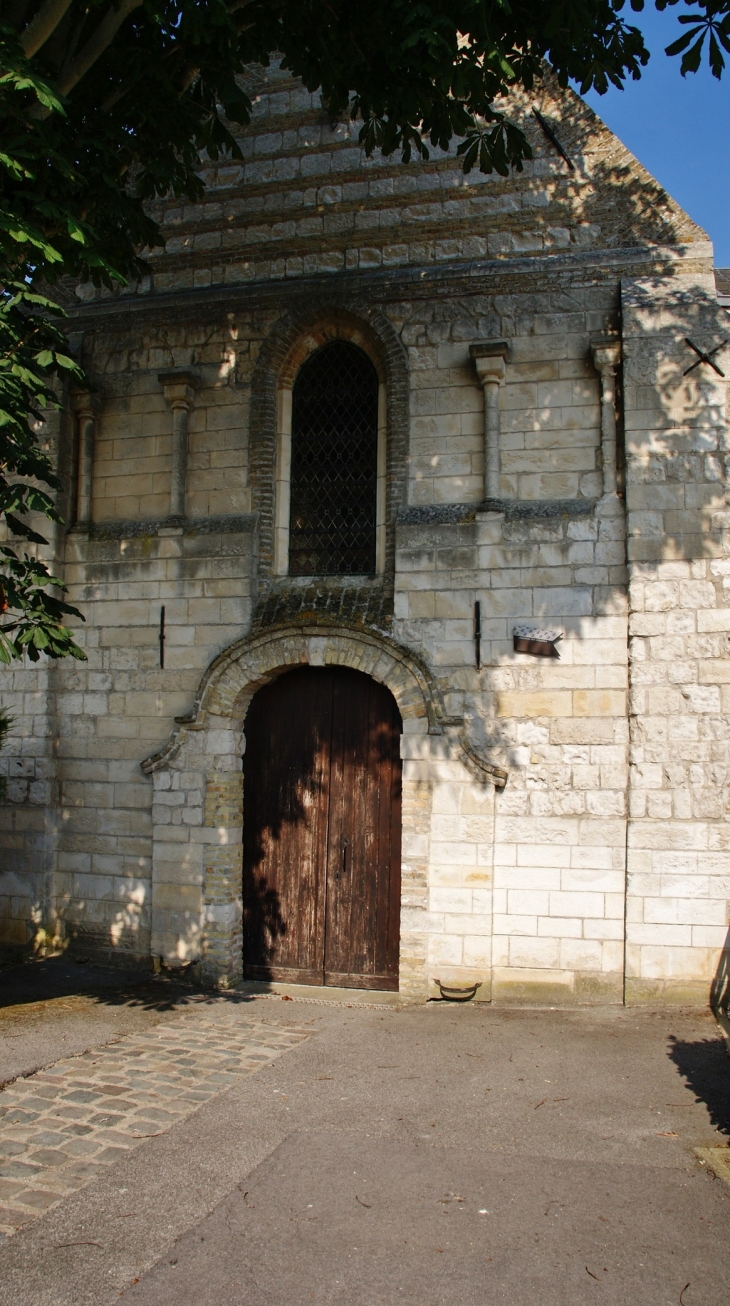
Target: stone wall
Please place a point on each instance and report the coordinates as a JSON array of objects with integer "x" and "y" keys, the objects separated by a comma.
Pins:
[
  {"x": 90, "y": 821},
  {"x": 306, "y": 201},
  {"x": 522, "y": 888},
  {"x": 677, "y": 446},
  {"x": 554, "y": 900}
]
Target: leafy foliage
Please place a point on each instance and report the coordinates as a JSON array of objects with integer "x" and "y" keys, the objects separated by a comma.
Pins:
[
  {"x": 108, "y": 104},
  {"x": 5, "y": 724},
  {"x": 711, "y": 23}
]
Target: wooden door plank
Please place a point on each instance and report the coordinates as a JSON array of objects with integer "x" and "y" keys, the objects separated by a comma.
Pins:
[
  {"x": 348, "y": 883},
  {"x": 365, "y": 750},
  {"x": 387, "y": 732},
  {"x": 322, "y": 766},
  {"x": 286, "y": 781}
]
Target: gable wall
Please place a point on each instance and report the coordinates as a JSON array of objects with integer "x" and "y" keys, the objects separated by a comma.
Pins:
[{"x": 524, "y": 889}]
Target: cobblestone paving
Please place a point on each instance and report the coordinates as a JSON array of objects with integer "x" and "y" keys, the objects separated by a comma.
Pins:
[{"x": 64, "y": 1125}]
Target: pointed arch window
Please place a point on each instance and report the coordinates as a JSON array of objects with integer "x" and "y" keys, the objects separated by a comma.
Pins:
[{"x": 336, "y": 463}]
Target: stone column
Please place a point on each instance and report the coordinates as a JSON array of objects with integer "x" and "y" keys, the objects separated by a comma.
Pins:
[
  {"x": 85, "y": 407},
  {"x": 489, "y": 359},
  {"x": 179, "y": 388},
  {"x": 606, "y": 352}
]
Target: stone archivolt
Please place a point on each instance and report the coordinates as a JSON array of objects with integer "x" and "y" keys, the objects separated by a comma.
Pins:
[{"x": 205, "y": 754}]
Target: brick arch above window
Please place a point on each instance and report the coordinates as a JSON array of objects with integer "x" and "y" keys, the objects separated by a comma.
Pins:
[{"x": 291, "y": 341}]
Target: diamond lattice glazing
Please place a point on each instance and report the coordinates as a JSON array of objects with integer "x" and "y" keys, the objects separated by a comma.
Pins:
[{"x": 334, "y": 464}]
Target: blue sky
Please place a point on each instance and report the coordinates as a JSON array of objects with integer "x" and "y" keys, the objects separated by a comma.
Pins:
[{"x": 678, "y": 127}]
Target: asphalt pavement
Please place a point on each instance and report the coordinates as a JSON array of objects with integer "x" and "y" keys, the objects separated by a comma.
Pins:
[{"x": 431, "y": 1156}]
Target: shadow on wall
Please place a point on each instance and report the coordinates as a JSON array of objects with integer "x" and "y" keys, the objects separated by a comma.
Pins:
[
  {"x": 645, "y": 216},
  {"x": 678, "y": 468}
]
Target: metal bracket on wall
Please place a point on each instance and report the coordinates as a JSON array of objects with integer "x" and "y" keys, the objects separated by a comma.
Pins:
[
  {"x": 553, "y": 138},
  {"x": 704, "y": 356},
  {"x": 540, "y": 643}
]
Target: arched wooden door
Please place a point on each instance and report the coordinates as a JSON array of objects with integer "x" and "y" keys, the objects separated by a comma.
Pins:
[{"x": 322, "y": 825}]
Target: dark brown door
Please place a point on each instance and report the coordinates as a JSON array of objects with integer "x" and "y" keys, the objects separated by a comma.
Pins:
[{"x": 322, "y": 819}]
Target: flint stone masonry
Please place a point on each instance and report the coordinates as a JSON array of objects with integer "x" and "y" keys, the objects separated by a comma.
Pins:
[{"x": 565, "y": 820}]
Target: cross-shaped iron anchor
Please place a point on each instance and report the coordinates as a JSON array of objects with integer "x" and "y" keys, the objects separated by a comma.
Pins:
[{"x": 703, "y": 357}]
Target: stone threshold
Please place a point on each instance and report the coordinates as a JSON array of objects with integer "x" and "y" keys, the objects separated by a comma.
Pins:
[{"x": 321, "y": 993}]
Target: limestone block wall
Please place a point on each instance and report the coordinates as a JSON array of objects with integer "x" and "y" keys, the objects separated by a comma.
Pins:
[
  {"x": 677, "y": 445},
  {"x": 531, "y": 898},
  {"x": 119, "y": 706},
  {"x": 306, "y": 201},
  {"x": 549, "y": 419},
  {"x": 523, "y": 888},
  {"x": 134, "y": 429},
  {"x": 28, "y": 815},
  {"x": 446, "y": 928},
  {"x": 548, "y": 874}
]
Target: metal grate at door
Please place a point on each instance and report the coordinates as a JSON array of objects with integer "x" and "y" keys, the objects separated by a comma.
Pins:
[{"x": 334, "y": 464}]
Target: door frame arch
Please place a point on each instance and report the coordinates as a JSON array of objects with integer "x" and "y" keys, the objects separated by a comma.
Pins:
[{"x": 197, "y": 809}]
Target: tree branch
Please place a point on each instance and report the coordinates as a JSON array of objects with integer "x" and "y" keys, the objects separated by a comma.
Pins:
[
  {"x": 95, "y": 46},
  {"x": 42, "y": 25},
  {"x": 187, "y": 79}
]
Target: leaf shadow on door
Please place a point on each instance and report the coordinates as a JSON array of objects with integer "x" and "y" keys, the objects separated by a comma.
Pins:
[
  {"x": 322, "y": 775},
  {"x": 278, "y": 802}
]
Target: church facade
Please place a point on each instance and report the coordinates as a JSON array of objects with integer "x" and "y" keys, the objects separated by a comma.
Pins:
[{"x": 397, "y": 513}]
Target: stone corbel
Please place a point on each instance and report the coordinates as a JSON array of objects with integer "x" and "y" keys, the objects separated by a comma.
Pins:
[
  {"x": 489, "y": 358},
  {"x": 481, "y": 767},
  {"x": 606, "y": 351},
  {"x": 179, "y": 389},
  {"x": 86, "y": 408}
]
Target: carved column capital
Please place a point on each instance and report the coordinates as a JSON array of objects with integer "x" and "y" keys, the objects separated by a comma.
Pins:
[
  {"x": 84, "y": 403},
  {"x": 606, "y": 351},
  {"x": 179, "y": 388},
  {"x": 489, "y": 358}
]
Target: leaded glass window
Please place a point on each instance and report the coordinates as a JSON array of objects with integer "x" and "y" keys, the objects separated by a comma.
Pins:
[{"x": 334, "y": 464}]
